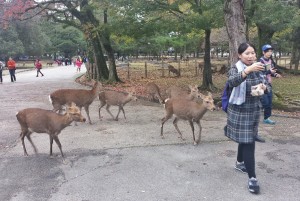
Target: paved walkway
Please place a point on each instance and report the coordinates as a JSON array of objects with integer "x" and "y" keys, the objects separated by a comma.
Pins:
[{"x": 127, "y": 160}]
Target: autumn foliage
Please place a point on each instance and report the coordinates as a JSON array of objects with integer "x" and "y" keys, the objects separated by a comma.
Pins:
[{"x": 15, "y": 10}]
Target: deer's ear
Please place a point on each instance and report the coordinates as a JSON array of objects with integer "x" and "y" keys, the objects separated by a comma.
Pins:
[
  {"x": 201, "y": 96},
  {"x": 73, "y": 104}
]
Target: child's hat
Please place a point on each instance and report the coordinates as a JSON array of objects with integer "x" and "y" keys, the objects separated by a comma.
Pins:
[{"x": 266, "y": 47}]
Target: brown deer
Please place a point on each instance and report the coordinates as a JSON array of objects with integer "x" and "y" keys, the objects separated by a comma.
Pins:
[
  {"x": 187, "y": 110},
  {"x": 173, "y": 70},
  {"x": 179, "y": 93},
  {"x": 200, "y": 66},
  {"x": 153, "y": 92},
  {"x": 116, "y": 98},
  {"x": 46, "y": 121},
  {"x": 81, "y": 97}
]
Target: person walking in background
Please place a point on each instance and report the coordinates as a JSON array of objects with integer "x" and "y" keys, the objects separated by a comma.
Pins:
[
  {"x": 244, "y": 111},
  {"x": 78, "y": 64},
  {"x": 38, "y": 66},
  {"x": 1, "y": 70},
  {"x": 74, "y": 61},
  {"x": 11, "y": 65},
  {"x": 270, "y": 72}
]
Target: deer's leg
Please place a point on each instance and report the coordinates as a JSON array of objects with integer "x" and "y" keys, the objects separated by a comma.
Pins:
[
  {"x": 193, "y": 130},
  {"x": 29, "y": 139},
  {"x": 200, "y": 130},
  {"x": 86, "y": 108},
  {"x": 163, "y": 120},
  {"x": 22, "y": 135},
  {"x": 100, "y": 106},
  {"x": 107, "y": 109},
  {"x": 51, "y": 143},
  {"x": 176, "y": 127},
  {"x": 121, "y": 108},
  {"x": 160, "y": 99},
  {"x": 123, "y": 112},
  {"x": 58, "y": 144}
]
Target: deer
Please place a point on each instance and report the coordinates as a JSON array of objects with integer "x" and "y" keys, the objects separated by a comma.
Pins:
[
  {"x": 178, "y": 93},
  {"x": 153, "y": 92},
  {"x": 200, "y": 66},
  {"x": 115, "y": 98},
  {"x": 46, "y": 121},
  {"x": 81, "y": 97},
  {"x": 188, "y": 110},
  {"x": 173, "y": 70}
]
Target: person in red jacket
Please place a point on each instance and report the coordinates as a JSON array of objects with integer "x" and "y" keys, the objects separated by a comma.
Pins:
[
  {"x": 11, "y": 65},
  {"x": 78, "y": 64},
  {"x": 38, "y": 66}
]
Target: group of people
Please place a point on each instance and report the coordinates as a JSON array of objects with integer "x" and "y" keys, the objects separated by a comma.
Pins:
[
  {"x": 244, "y": 109},
  {"x": 11, "y": 65}
]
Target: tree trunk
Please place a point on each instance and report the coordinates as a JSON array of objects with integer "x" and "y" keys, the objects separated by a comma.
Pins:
[
  {"x": 90, "y": 24},
  {"x": 265, "y": 35},
  {"x": 296, "y": 46},
  {"x": 113, "y": 76},
  {"x": 235, "y": 26},
  {"x": 99, "y": 59},
  {"x": 207, "y": 83},
  {"x": 97, "y": 63}
]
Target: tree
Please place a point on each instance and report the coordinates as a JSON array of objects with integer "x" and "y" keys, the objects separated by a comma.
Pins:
[
  {"x": 270, "y": 17},
  {"x": 296, "y": 38},
  {"x": 67, "y": 41},
  {"x": 32, "y": 37},
  {"x": 11, "y": 45},
  {"x": 235, "y": 25}
]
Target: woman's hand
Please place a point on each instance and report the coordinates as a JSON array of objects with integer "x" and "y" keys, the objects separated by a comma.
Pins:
[{"x": 257, "y": 66}]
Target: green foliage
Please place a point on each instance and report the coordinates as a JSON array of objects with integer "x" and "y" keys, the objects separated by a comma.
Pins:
[
  {"x": 11, "y": 45},
  {"x": 273, "y": 14},
  {"x": 37, "y": 37},
  {"x": 64, "y": 39},
  {"x": 32, "y": 37}
]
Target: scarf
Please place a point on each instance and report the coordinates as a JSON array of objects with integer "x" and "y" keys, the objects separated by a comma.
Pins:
[{"x": 238, "y": 94}]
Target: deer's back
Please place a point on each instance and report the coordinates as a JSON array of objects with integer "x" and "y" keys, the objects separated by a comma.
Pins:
[
  {"x": 40, "y": 120},
  {"x": 152, "y": 88},
  {"x": 112, "y": 97},
  {"x": 185, "y": 109},
  {"x": 80, "y": 97},
  {"x": 176, "y": 92}
]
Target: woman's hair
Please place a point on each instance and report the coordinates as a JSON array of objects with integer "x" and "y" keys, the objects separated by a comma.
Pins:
[{"x": 242, "y": 48}]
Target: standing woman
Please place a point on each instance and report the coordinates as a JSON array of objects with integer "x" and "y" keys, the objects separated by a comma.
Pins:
[
  {"x": 11, "y": 65},
  {"x": 38, "y": 66},
  {"x": 244, "y": 111},
  {"x": 78, "y": 64}
]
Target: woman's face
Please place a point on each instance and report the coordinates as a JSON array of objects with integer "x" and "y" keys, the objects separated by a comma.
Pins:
[{"x": 248, "y": 57}]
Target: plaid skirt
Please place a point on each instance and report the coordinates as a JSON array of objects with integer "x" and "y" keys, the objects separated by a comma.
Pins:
[{"x": 242, "y": 123}]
